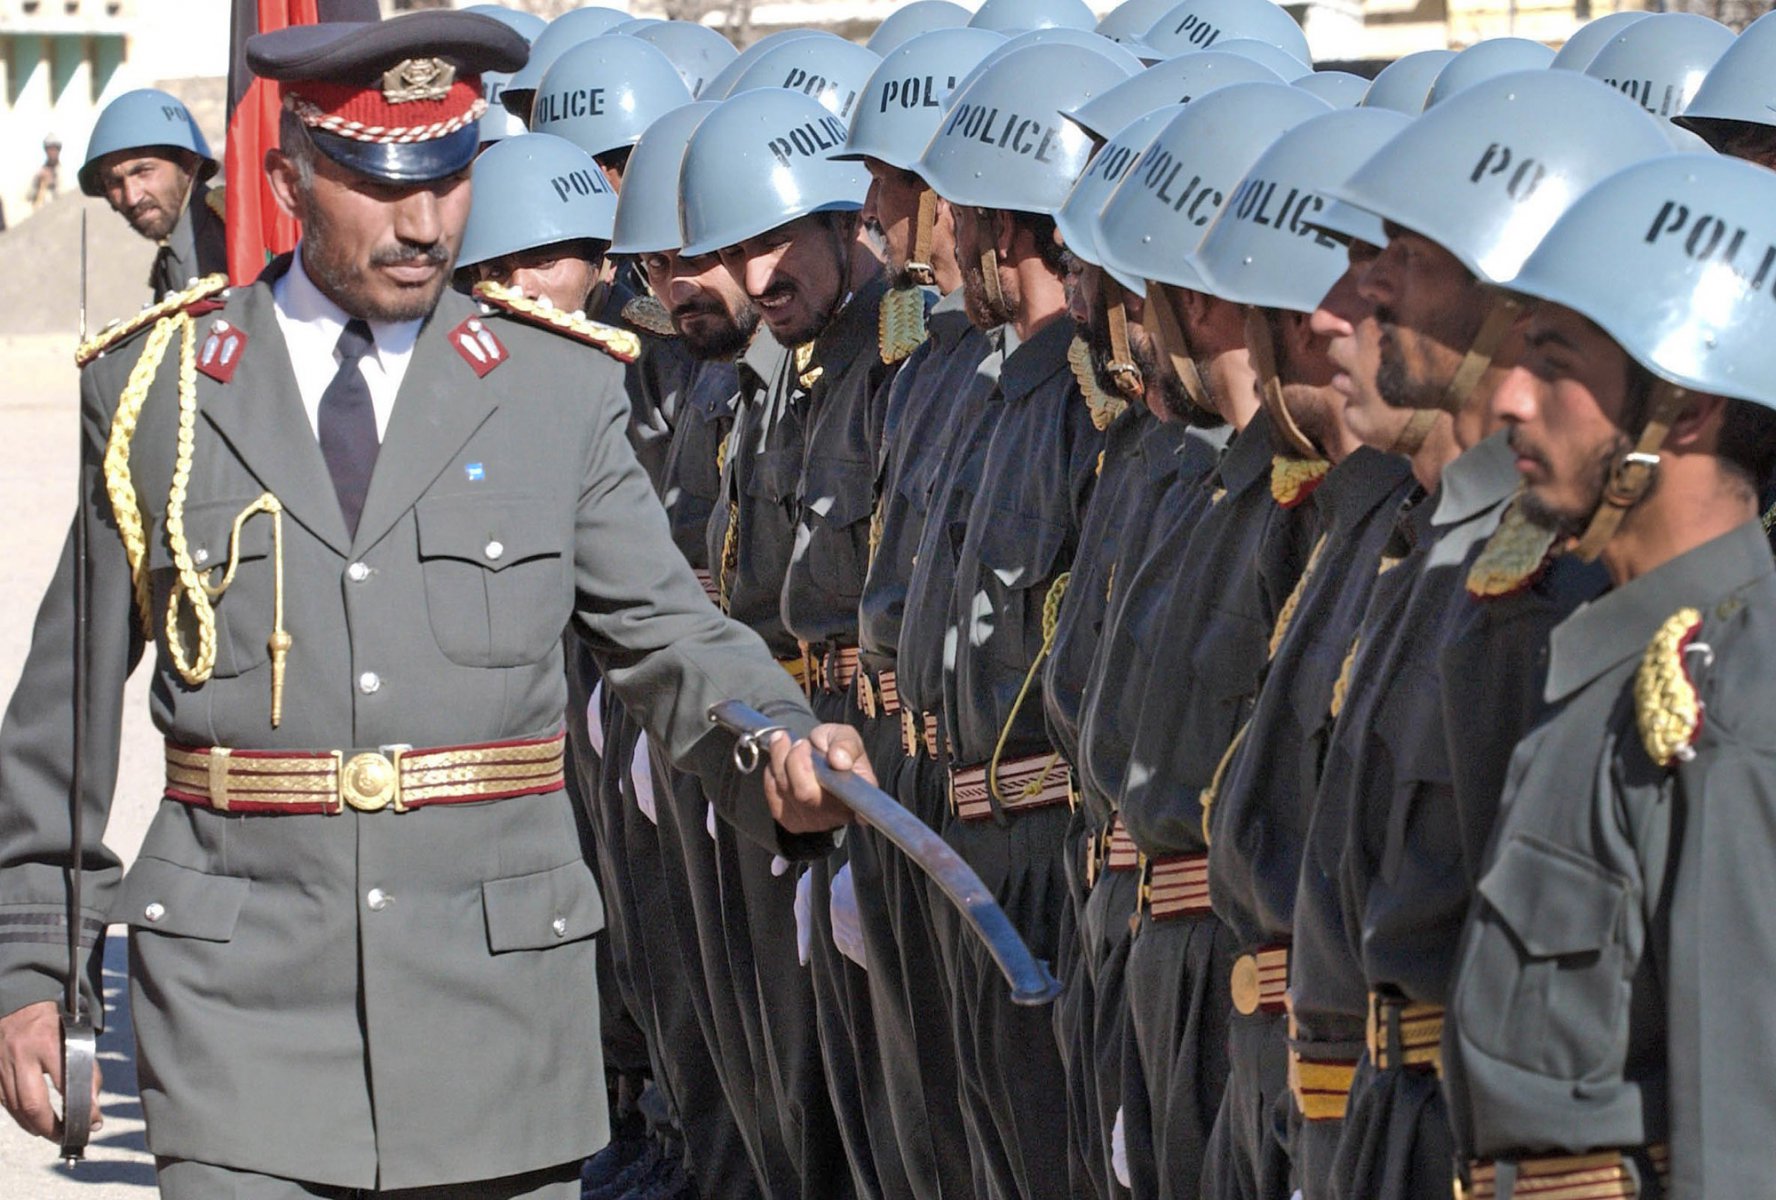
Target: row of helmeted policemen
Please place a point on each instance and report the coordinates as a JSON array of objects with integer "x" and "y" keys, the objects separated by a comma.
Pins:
[{"x": 1295, "y": 536}]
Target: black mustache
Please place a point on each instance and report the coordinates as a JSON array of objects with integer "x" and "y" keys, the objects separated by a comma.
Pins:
[{"x": 397, "y": 256}]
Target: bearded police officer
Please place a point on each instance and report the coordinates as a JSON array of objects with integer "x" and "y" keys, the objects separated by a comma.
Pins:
[
  {"x": 412, "y": 525},
  {"x": 1608, "y": 992},
  {"x": 150, "y": 162}
]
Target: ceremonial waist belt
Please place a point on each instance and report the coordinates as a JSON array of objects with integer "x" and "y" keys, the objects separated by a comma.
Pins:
[
  {"x": 1405, "y": 1035},
  {"x": 1605, "y": 1175},
  {"x": 918, "y": 733},
  {"x": 879, "y": 696},
  {"x": 329, "y": 781},
  {"x": 1259, "y": 981},
  {"x": 831, "y": 668},
  {"x": 1321, "y": 1087},
  {"x": 1111, "y": 849},
  {"x": 1031, "y": 782},
  {"x": 1175, "y": 885},
  {"x": 710, "y": 587}
]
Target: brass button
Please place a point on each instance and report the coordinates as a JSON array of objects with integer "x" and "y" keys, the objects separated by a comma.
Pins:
[
  {"x": 1244, "y": 985},
  {"x": 154, "y": 912}
]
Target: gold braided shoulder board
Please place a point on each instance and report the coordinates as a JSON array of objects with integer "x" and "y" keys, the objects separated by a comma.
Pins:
[
  {"x": 1514, "y": 557},
  {"x": 620, "y": 344},
  {"x": 1105, "y": 408},
  {"x": 210, "y": 286},
  {"x": 900, "y": 326},
  {"x": 1667, "y": 705},
  {"x": 650, "y": 316},
  {"x": 1293, "y": 480}
]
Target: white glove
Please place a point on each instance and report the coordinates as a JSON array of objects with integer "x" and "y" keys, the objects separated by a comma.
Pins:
[
  {"x": 804, "y": 915},
  {"x": 595, "y": 725},
  {"x": 641, "y": 774},
  {"x": 1119, "y": 1154},
  {"x": 847, "y": 928}
]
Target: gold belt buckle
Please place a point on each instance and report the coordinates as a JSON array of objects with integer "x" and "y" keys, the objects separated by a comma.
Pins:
[
  {"x": 371, "y": 781},
  {"x": 909, "y": 732},
  {"x": 866, "y": 694}
]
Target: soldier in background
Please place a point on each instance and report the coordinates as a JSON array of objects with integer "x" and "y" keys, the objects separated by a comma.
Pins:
[
  {"x": 150, "y": 162},
  {"x": 46, "y": 181}
]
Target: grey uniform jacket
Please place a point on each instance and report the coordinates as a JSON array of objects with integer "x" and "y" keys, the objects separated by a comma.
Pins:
[
  {"x": 197, "y": 246},
  {"x": 289, "y": 1022},
  {"x": 1613, "y": 988}
]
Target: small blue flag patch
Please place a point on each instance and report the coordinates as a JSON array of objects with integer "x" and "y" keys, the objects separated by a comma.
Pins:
[{"x": 475, "y": 472}]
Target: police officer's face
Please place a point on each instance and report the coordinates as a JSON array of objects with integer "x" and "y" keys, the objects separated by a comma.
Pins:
[
  {"x": 793, "y": 274},
  {"x": 1563, "y": 403},
  {"x": 892, "y": 210},
  {"x": 563, "y": 274},
  {"x": 1346, "y": 319},
  {"x": 708, "y": 309},
  {"x": 381, "y": 251},
  {"x": 1429, "y": 308},
  {"x": 147, "y": 190}
]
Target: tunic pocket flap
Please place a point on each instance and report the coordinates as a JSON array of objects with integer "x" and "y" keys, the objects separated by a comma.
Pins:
[
  {"x": 838, "y": 491},
  {"x": 158, "y": 896},
  {"x": 1020, "y": 549},
  {"x": 494, "y": 531},
  {"x": 209, "y": 535},
  {"x": 534, "y": 912},
  {"x": 1553, "y": 900}
]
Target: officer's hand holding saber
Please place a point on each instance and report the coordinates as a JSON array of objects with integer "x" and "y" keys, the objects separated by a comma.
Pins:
[{"x": 822, "y": 782}]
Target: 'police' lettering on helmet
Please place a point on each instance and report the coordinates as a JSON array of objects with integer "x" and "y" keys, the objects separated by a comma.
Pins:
[
  {"x": 1196, "y": 31},
  {"x": 1709, "y": 239},
  {"x": 1113, "y": 162},
  {"x": 1161, "y": 178},
  {"x": 809, "y": 140},
  {"x": 817, "y": 86},
  {"x": 1252, "y": 202},
  {"x": 915, "y": 92},
  {"x": 1524, "y": 177},
  {"x": 560, "y": 106},
  {"x": 580, "y": 183},
  {"x": 1027, "y": 136},
  {"x": 1671, "y": 98}
]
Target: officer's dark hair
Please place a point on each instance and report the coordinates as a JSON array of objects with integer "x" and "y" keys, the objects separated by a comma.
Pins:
[
  {"x": 1040, "y": 227},
  {"x": 1749, "y": 140},
  {"x": 615, "y": 160},
  {"x": 1747, "y": 449},
  {"x": 298, "y": 146}
]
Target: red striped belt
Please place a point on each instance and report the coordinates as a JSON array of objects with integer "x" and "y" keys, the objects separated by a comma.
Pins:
[
  {"x": 1176, "y": 885},
  {"x": 1260, "y": 981},
  {"x": 918, "y": 733},
  {"x": 1032, "y": 782},
  {"x": 329, "y": 781},
  {"x": 1606, "y": 1175},
  {"x": 1406, "y": 1035},
  {"x": 1111, "y": 849},
  {"x": 1321, "y": 1087},
  {"x": 831, "y": 669},
  {"x": 877, "y": 694}
]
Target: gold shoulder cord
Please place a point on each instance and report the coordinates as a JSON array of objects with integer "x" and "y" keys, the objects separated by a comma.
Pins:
[
  {"x": 900, "y": 324},
  {"x": 1341, "y": 689},
  {"x": 1105, "y": 408},
  {"x": 1051, "y": 620},
  {"x": 620, "y": 344},
  {"x": 730, "y": 558},
  {"x": 195, "y": 669},
  {"x": 1513, "y": 557},
  {"x": 1667, "y": 705},
  {"x": 1206, "y": 800}
]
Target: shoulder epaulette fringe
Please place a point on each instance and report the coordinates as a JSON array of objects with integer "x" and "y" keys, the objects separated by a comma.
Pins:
[
  {"x": 620, "y": 344},
  {"x": 1105, "y": 408},
  {"x": 1514, "y": 557},
  {"x": 1667, "y": 705},
  {"x": 650, "y": 316},
  {"x": 901, "y": 323},
  {"x": 1293, "y": 480},
  {"x": 119, "y": 331}
]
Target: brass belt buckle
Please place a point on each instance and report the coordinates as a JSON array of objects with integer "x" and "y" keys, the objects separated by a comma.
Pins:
[
  {"x": 866, "y": 694},
  {"x": 371, "y": 781}
]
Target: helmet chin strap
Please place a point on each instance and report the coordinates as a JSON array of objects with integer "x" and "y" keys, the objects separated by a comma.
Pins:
[
  {"x": 1262, "y": 350},
  {"x": 1170, "y": 327},
  {"x": 1501, "y": 314},
  {"x": 919, "y": 268},
  {"x": 1413, "y": 434},
  {"x": 1632, "y": 475},
  {"x": 1122, "y": 366}
]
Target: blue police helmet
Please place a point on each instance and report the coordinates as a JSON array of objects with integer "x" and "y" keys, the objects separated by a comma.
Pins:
[
  {"x": 535, "y": 190},
  {"x": 141, "y": 120}
]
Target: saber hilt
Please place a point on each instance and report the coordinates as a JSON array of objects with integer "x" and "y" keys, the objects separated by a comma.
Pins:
[{"x": 1031, "y": 981}]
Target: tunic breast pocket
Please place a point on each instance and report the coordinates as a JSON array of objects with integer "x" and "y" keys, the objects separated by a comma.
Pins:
[
  {"x": 498, "y": 592},
  {"x": 1545, "y": 982},
  {"x": 244, "y": 612},
  {"x": 1019, "y": 556},
  {"x": 837, "y": 501}
]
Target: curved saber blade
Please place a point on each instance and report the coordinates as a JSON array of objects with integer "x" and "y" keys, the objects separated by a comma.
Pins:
[{"x": 1031, "y": 981}]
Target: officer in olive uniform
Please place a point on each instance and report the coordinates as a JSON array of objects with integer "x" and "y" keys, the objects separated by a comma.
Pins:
[
  {"x": 942, "y": 351},
  {"x": 1471, "y": 636},
  {"x": 1608, "y": 991},
  {"x": 1257, "y": 808},
  {"x": 150, "y": 162},
  {"x": 1179, "y": 961},
  {"x": 305, "y": 937}
]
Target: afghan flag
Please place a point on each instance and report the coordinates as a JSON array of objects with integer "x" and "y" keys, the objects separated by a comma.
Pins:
[{"x": 257, "y": 228}]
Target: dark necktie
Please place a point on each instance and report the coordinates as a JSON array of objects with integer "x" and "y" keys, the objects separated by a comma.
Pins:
[{"x": 347, "y": 424}]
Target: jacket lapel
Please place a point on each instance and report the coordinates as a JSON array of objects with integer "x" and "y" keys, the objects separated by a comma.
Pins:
[
  {"x": 437, "y": 410},
  {"x": 259, "y": 411}
]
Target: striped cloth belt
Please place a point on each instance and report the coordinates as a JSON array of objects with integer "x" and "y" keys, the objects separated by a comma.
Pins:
[
  {"x": 329, "y": 781},
  {"x": 1405, "y": 1035},
  {"x": 878, "y": 695},
  {"x": 1606, "y": 1175},
  {"x": 1175, "y": 885},
  {"x": 918, "y": 733},
  {"x": 830, "y": 668},
  {"x": 710, "y": 587},
  {"x": 1110, "y": 849},
  {"x": 1321, "y": 1087},
  {"x": 1034, "y": 781},
  {"x": 1259, "y": 982}
]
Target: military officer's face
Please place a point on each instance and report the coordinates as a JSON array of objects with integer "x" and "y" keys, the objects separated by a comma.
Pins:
[
  {"x": 562, "y": 273},
  {"x": 1305, "y": 372},
  {"x": 709, "y": 310},
  {"x": 1564, "y": 404},
  {"x": 977, "y": 231},
  {"x": 1429, "y": 308},
  {"x": 794, "y": 274},
  {"x": 891, "y": 210},
  {"x": 1346, "y": 319},
  {"x": 146, "y": 189},
  {"x": 381, "y": 251}
]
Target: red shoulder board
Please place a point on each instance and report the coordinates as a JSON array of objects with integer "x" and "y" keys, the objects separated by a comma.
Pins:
[
  {"x": 478, "y": 347},
  {"x": 221, "y": 351}
]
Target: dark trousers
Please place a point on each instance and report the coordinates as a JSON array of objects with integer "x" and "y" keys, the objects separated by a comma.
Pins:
[
  {"x": 1119, "y": 1083},
  {"x": 1396, "y": 1144},
  {"x": 1249, "y": 1145},
  {"x": 1176, "y": 979},
  {"x": 1313, "y": 1149},
  {"x": 182, "y": 1179}
]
